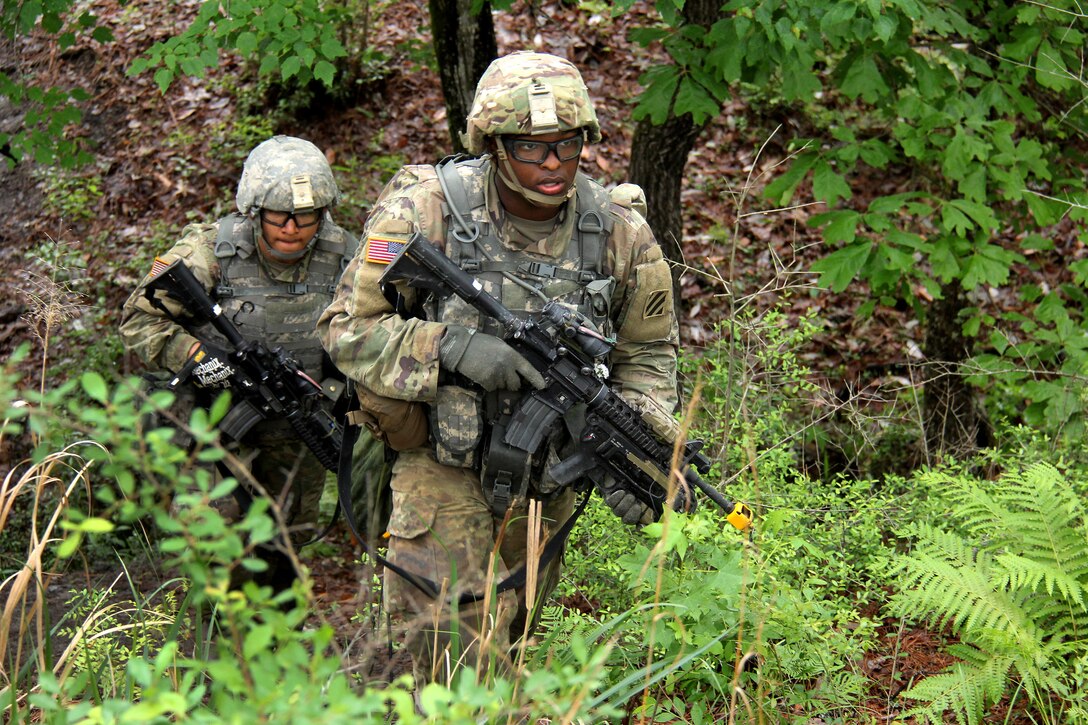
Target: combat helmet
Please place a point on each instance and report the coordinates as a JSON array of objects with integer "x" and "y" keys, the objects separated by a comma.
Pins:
[
  {"x": 529, "y": 93},
  {"x": 286, "y": 173}
]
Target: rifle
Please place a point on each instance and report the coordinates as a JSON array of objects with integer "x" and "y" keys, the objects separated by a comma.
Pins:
[
  {"x": 561, "y": 344},
  {"x": 267, "y": 384}
]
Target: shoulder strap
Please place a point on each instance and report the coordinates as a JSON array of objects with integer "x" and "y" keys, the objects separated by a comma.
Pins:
[{"x": 594, "y": 223}]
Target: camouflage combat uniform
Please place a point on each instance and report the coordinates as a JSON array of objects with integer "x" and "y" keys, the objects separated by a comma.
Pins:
[
  {"x": 441, "y": 515},
  {"x": 164, "y": 345},
  {"x": 275, "y": 302}
]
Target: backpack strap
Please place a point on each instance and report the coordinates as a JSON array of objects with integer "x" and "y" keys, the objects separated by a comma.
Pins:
[{"x": 594, "y": 226}]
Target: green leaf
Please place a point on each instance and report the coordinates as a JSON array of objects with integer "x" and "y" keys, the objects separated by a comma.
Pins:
[
  {"x": 829, "y": 186},
  {"x": 28, "y": 14},
  {"x": 219, "y": 407},
  {"x": 325, "y": 71},
  {"x": 799, "y": 81},
  {"x": 291, "y": 66},
  {"x": 962, "y": 150},
  {"x": 692, "y": 98},
  {"x": 1025, "y": 39},
  {"x": 94, "y": 386},
  {"x": 94, "y": 525},
  {"x": 52, "y": 23},
  {"x": 163, "y": 79},
  {"x": 332, "y": 49},
  {"x": 981, "y": 214},
  {"x": 257, "y": 641},
  {"x": 656, "y": 101},
  {"x": 70, "y": 545},
  {"x": 973, "y": 185},
  {"x": 840, "y": 268},
  {"x": 875, "y": 152},
  {"x": 989, "y": 265},
  {"x": 1050, "y": 69},
  {"x": 247, "y": 43},
  {"x": 863, "y": 78},
  {"x": 955, "y": 221},
  {"x": 841, "y": 225},
  {"x": 884, "y": 26}
]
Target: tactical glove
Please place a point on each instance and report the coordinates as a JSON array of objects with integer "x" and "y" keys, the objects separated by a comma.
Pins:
[
  {"x": 485, "y": 359},
  {"x": 625, "y": 504},
  {"x": 211, "y": 367}
]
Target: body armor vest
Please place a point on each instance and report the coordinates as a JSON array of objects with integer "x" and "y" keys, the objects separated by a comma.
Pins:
[
  {"x": 524, "y": 282},
  {"x": 463, "y": 418},
  {"x": 280, "y": 314}
]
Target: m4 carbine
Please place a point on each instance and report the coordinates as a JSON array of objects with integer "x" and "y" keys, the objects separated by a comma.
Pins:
[
  {"x": 266, "y": 384},
  {"x": 561, "y": 344}
]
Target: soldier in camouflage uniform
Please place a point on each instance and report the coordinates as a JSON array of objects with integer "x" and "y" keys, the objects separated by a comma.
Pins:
[
  {"x": 272, "y": 267},
  {"x": 532, "y": 228}
]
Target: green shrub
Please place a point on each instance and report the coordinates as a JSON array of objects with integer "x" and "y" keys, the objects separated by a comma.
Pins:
[{"x": 1006, "y": 570}]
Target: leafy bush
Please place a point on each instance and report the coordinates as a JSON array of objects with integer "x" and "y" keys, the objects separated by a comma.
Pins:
[{"x": 289, "y": 38}]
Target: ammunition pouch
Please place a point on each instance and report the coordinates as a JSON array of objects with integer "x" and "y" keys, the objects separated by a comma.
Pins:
[{"x": 457, "y": 425}]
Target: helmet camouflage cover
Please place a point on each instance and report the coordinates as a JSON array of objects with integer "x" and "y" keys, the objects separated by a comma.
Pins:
[
  {"x": 529, "y": 93},
  {"x": 286, "y": 173}
]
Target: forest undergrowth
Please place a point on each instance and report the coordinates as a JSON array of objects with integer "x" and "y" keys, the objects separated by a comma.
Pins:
[{"x": 877, "y": 585}]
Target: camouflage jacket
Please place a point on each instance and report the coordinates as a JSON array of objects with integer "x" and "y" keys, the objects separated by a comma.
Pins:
[
  {"x": 398, "y": 358},
  {"x": 292, "y": 295}
]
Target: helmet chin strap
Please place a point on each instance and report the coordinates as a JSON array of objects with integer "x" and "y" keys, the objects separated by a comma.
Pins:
[{"x": 506, "y": 173}]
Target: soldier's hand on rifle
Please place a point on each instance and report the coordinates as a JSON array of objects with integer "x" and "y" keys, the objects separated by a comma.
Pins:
[
  {"x": 486, "y": 360},
  {"x": 211, "y": 367},
  {"x": 625, "y": 504}
]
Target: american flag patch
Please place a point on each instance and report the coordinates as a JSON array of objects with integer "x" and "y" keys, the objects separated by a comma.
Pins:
[
  {"x": 382, "y": 250},
  {"x": 158, "y": 266}
]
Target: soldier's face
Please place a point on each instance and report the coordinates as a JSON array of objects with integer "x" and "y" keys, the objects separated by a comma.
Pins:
[
  {"x": 287, "y": 239},
  {"x": 552, "y": 176}
]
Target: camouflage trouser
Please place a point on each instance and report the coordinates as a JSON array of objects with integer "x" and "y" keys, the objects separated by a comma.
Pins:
[{"x": 441, "y": 528}]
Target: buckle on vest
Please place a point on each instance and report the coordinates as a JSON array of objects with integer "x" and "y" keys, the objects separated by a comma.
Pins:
[
  {"x": 537, "y": 269},
  {"x": 470, "y": 265},
  {"x": 224, "y": 291},
  {"x": 500, "y": 494},
  {"x": 296, "y": 288},
  {"x": 586, "y": 276}
]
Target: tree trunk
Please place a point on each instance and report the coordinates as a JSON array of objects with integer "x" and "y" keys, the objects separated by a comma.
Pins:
[
  {"x": 955, "y": 423},
  {"x": 464, "y": 45},
  {"x": 658, "y": 157},
  {"x": 659, "y": 154}
]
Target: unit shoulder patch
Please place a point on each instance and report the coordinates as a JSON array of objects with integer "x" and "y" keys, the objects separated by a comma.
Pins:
[{"x": 657, "y": 303}]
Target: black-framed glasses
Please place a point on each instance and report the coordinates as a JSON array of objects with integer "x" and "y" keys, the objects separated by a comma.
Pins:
[
  {"x": 303, "y": 219},
  {"x": 537, "y": 152}
]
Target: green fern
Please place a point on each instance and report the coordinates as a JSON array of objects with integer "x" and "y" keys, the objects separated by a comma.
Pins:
[{"x": 1007, "y": 572}]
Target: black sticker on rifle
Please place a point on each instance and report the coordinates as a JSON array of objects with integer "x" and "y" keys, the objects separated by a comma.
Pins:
[{"x": 656, "y": 303}]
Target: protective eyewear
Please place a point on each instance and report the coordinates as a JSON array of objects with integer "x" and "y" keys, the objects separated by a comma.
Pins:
[
  {"x": 537, "y": 152},
  {"x": 303, "y": 219}
]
